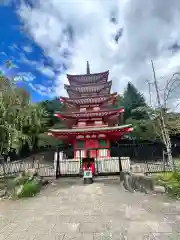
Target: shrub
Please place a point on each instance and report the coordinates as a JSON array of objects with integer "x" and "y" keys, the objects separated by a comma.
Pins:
[
  {"x": 171, "y": 181},
  {"x": 29, "y": 189},
  {"x": 173, "y": 189},
  {"x": 176, "y": 176}
]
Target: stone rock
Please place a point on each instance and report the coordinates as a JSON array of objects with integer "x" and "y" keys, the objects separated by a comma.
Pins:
[
  {"x": 31, "y": 172},
  {"x": 136, "y": 168},
  {"x": 19, "y": 190},
  {"x": 2, "y": 193},
  {"x": 18, "y": 179},
  {"x": 127, "y": 183},
  {"x": 37, "y": 179},
  {"x": 159, "y": 189},
  {"x": 138, "y": 182},
  {"x": 44, "y": 182},
  {"x": 30, "y": 178}
]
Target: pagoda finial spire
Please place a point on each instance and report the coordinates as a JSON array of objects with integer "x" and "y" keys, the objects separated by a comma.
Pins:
[{"x": 87, "y": 68}]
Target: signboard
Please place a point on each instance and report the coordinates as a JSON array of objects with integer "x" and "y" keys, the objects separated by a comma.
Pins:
[{"x": 87, "y": 174}]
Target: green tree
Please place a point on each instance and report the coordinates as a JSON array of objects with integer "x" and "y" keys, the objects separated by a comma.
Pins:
[
  {"x": 51, "y": 107},
  {"x": 20, "y": 120},
  {"x": 133, "y": 99}
]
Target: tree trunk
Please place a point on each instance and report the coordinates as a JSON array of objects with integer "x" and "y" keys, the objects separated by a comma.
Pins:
[
  {"x": 3, "y": 162},
  {"x": 164, "y": 131}
]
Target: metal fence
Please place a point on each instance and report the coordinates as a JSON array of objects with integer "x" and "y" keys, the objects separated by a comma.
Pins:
[
  {"x": 42, "y": 162},
  {"x": 151, "y": 158},
  {"x": 148, "y": 157}
]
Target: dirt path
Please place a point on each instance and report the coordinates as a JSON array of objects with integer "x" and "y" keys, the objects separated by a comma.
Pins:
[{"x": 70, "y": 210}]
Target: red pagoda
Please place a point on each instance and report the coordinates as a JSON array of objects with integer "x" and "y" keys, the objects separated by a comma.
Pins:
[{"x": 90, "y": 119}]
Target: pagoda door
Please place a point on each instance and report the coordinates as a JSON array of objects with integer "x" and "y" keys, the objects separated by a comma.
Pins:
[{"x": 92, "y": 148}]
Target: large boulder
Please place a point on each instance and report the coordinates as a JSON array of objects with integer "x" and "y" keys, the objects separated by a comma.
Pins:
[
  {"x": 31, "y": 172},
  {"x": 159, "y": 189},
  {"x": 2, "y": 193},
  {"x": 138, "y": 182},
  {"x": 44, "y": 182},
  {"x": 136, "y": 168}
]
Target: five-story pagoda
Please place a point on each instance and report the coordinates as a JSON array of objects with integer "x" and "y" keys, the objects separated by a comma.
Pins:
[{"x": 91, "y": 121}]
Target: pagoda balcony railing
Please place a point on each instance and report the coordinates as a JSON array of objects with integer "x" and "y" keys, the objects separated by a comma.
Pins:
[{"x": 90, "y": 126}]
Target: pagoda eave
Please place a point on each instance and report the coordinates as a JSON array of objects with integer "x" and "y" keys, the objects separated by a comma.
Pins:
[
  {"x": 90, "y": 131},
  {"x": 96, "y": 134},
  {"x": 78, "y": 115},
  {"x": 88, "y": 100},
  {"x": 88, "y": 78}
]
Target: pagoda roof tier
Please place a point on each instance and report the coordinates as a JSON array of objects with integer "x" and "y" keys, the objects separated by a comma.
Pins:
[
  {"x": 93, "y": 130},
  {"x": 89, "y": 100},
  {"x": 89, "y": 88},
  {"x": 90, "y": 114},
  {"x": 88, "y": 78}
]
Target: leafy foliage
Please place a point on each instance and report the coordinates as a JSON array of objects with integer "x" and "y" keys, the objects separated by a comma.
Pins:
[
  {"x": 20, "y": 120},
  {"x": 25, "y": 123},
  {"x": 145, "y": 120},
  {"x": 133, "y": 99},
  {"x": 171, "y": 181},
  {"x": 30, "y": 189},
  {"x": 52, "y": 106}
]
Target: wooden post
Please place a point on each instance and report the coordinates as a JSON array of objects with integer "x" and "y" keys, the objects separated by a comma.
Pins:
[
  {"x": 58, "y": 173},
  {"x": 120, "y": 169}
]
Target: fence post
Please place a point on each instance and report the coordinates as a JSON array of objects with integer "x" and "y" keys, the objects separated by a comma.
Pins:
[
  {"x": 120, "y": 164},
  {"x": 33, "y": 162},
  {"x": 58, "y": 173},
  {"x": 120, "y": 169},
  {"x": 96, "y": 163}
]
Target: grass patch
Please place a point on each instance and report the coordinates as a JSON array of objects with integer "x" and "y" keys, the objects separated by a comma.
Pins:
[
  {"x": 171, "y": 181},
  {"x": 165, "y": 176},
  {"x": 30, "y": 189}
]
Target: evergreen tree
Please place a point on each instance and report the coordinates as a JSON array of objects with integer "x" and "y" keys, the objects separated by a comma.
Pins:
[
  {"x": 133, "y": 99},
  {"x": 52, "y": 106}
]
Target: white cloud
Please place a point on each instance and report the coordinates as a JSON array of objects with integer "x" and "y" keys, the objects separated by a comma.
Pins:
[
  {"x": 42, "y": 90},
  {"x": 14, "y": 47},
  {"x": 149, "y": 29},
  {"x": 24, "y": 77},
  {"x": 27, "y": 49},
  {"x": 47, "y": 71},
  {"x": 38, "y": 65},
  {"x": 3, "y": 53}
]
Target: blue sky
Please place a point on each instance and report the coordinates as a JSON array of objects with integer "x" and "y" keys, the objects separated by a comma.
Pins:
[{"x": 17, "y": 46}]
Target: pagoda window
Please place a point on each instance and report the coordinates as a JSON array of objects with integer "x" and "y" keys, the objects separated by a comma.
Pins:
[
  {"x": 80, "y": 144},
  {"x": 82, "y": 109},
  {"x": 81, "y": 124},
  {"x": 102, "y": 143},
  {"x": 96, "y": 108},
  {"x": 98, "y": 122}
]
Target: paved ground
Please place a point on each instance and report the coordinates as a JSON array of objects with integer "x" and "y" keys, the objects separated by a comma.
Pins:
[{"x": 103, "y": 210}]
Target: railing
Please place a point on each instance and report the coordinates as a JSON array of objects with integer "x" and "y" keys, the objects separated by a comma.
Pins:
[{"x": 149, "y": 158}]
